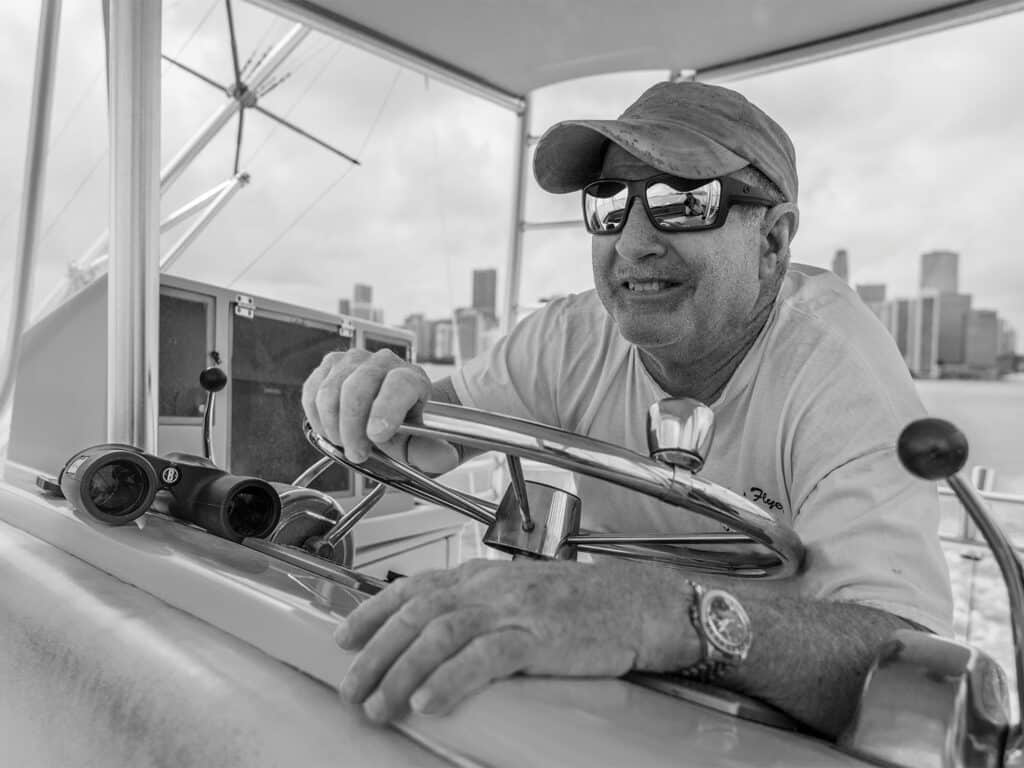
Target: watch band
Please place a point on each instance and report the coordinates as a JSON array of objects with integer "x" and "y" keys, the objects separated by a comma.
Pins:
[
  {"x": 715, "y": 660},
  {"x": 704, "y": 670}
]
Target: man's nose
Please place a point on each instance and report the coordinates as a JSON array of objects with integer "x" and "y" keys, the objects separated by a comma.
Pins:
[{"x": 639, "y": 239}]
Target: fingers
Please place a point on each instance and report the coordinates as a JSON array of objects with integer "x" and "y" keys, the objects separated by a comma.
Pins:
[
  {"x": 355, "y": 397},
  {"x": 403, "y": 392},
  {"x": 357, "y": 393},
  {"x": 320, "y": 391},
  {"x": 368, "y": 617},
  {"x": 394, "y": 681},
  {"x": 396, "y": 634},
  {"x": 489, "y": 657}
]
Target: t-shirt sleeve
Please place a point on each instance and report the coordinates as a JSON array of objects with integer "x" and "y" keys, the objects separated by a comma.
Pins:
[
  {"x": 518, "y": 375},
  {"x": 871, "y": 536},
  {"x": 870, "y": 528}
]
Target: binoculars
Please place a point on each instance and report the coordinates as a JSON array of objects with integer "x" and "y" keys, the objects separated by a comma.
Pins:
[{"x": 116, "y": 483}]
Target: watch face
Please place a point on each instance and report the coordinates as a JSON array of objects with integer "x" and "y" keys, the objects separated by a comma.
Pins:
[{"x": 726, "y": 623}]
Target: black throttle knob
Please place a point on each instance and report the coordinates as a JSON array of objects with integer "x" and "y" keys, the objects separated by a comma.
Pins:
[
  {"x": 932, "y": 448},
  {"x": 213, "y": 379}
]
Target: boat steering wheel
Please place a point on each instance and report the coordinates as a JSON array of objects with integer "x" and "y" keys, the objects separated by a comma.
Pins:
[{"x": 537, "y": 521}]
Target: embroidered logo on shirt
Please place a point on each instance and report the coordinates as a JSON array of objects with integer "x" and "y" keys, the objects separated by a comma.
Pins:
[{"x": 758, "y": 495}]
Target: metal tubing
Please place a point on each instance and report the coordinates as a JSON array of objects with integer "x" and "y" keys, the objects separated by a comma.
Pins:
[
  {"x": 659, "y": 539},
  {"x": 388, "y": 471},
  {"x": 134, "y": 284},
  {"x": 178, "y": 216},
  {"x": 513, "y": 269},
  {"x": 615, "y": 464},
  {"x": 211, "y": 404},
  {"x": 516, "y": 437},
  {"x": 340, "y": 530},
  {"x": 174, "y": 218},
  {"x": 215, "y": 207},
  {"x": 222, "y": 116},
  {"x": 312, "y": 472},
  {"x": 206, "y": 133},
  {"x": 515, "y": 471},
  {"x": 209, "y": 130},
  {"x": 285, "y": 48},
  {"x": 1003, "y": 498},
  {"x": 1013, "y": 575},
  {"x": 32, "y": 200}
]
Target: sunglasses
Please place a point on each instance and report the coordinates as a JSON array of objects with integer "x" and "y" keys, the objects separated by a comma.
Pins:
[{"x": 672, "y": 204}]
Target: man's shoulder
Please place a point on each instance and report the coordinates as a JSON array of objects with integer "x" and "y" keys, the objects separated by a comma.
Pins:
[
  {"x": 816, "y": 306},
  {"x": 825, "y": 344}
]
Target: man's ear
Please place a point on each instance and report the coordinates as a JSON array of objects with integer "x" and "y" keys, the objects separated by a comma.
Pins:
[{"x": 778, "y": 228}]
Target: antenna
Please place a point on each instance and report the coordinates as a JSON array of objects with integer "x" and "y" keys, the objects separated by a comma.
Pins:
[{"x": 247, "y": 94}]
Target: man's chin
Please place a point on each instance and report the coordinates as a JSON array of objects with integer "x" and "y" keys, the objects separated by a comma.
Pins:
[{"x": 651, "y": 338}]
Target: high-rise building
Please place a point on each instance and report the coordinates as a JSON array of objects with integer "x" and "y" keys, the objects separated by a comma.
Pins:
[
  {"x": 982, "y": 340},
  {"x": 952, "y": 311},
  {"x": 1007, "y": 338},
  {"x": 895, "y": 315},
  {"x": 469, "y": 327},
  {"x": 344, "y": 307},
  {"x": 443, "y": 336},
  {"x": 841, "y": 265},
  {"x": 419, "y": 325},
  {"x": 362, "y": 304},
  {"x": 924, "y": 337},
  {"x": 485, "y": 287},
  {"x": 940, "y": 271}
]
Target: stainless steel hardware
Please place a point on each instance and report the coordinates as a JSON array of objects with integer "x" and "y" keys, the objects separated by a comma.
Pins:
[{"x": 770, "y": 548}]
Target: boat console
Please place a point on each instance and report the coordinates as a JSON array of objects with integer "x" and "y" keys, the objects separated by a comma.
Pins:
[{"x": 950, "y": 697}]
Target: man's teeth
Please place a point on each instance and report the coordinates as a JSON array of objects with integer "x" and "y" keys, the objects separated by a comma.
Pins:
[{"x": 645, "y": 286}]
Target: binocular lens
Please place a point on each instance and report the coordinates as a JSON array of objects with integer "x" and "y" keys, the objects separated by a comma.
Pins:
[
  {"x": 251, "y": 512},
  {"x": 118, "y": 488}
]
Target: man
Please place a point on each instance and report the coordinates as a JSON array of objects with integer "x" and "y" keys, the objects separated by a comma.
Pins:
[{"x": 691, "y": 200}]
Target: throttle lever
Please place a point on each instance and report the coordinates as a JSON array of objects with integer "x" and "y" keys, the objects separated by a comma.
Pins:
[{"x": 934, "y": 449}]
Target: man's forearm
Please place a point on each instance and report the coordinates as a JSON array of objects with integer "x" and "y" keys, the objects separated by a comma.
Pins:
[{"x": 808, "y": 658}]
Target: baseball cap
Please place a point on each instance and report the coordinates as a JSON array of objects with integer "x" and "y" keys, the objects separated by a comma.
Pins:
[{"x": 688, "y": 129}]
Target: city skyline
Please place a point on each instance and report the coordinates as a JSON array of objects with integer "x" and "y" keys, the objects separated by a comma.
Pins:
[
  {"x": 912, "y": 116},
  {"x": 938, "y": 331}
]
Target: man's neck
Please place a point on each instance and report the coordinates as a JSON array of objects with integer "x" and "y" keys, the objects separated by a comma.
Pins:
[{"x": 705, "y": 379}]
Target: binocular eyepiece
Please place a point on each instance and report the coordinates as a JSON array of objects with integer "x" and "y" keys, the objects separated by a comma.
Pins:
[{"x": 115, "y": 484}]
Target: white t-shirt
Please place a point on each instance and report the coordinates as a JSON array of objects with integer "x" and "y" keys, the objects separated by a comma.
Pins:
[{"x": 806, "y": 428}]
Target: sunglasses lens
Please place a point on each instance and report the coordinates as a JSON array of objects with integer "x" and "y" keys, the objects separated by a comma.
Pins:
[
  {"x": 675, "y": 205},
  {"x": 676, "y": 208},
  {"x": 604, "y": 203}
]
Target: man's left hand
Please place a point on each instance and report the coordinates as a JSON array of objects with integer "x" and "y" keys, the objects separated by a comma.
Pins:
[{"x": 429, "y": 641}]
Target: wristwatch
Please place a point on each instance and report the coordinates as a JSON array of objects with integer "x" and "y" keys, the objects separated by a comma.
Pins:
[{"x": 724, "y": 631}]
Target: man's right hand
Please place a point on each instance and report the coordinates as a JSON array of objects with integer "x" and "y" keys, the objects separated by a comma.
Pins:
[{"x": 357, "y": 399}]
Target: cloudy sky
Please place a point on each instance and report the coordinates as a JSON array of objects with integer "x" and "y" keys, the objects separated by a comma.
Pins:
[{"x": 901, "y": 150}]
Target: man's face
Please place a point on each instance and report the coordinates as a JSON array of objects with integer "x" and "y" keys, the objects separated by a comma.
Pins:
[{"x": 680, "y": 296}]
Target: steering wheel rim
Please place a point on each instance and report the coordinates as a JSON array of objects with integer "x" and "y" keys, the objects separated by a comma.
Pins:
[{"x": 745, "y": 521}]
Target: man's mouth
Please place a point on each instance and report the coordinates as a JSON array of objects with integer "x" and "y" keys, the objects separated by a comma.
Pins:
[{"x": 648, "y": 286}]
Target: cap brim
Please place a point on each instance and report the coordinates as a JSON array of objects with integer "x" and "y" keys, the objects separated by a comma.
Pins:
[{"x": 570, "y": 154}]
